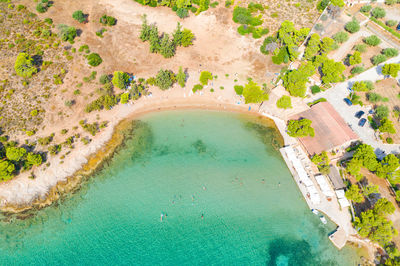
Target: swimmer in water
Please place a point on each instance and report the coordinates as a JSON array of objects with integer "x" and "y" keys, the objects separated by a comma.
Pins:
[
  {"x": 162, "y": 215},
  {"x": 279, "y": 184},
  {"x": 204, "y": 188},
  {"x": 202, "y": 216}
]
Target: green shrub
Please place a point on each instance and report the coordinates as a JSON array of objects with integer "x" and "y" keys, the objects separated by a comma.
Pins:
[
  {"x": 357, "y": 70},
  {"x": 391, "y": 23},
  {"x": 392, "y": 31},
  {"x": 108, "y": 20},
  {"x": 378, "y": 12},
  {"x": 205, "y": 76},
  {"x": 79, "y": 16},
  {"x": 366, "y": 8},
  {"x": 390, "y": 52},
  {"x": 94, "y": 59},
  {"x": 24, "y": 66},
  {"x": 315, "y": 89},
  {"x": 360, "y": 48},
  {"x": 284, "y": 102},
  {"x": 43, "y": 6},
  {"x": 372, "y": 40},
  {"x": 377, "y": 59},
  {"x": 341, "y": 37},
  {"x": 182, "y": 12},
  {"x": 389, "y": 140},
  {"x": 352, "y": 26},
  {"x": 197, "y": 87},
  {"x": 66, "y": 33},
  {"x": 238, "y": 89}
]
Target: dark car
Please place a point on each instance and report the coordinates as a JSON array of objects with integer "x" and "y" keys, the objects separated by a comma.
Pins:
[
  {"x": 359, "y": 114},
  {"x": 398, "y": 27},
  {"x": 347, "y": 100},
  {"x": 362, "y": 122}
]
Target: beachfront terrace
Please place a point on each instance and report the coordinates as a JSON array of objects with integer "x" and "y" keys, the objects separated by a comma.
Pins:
[{"x": 317, "y": 196}]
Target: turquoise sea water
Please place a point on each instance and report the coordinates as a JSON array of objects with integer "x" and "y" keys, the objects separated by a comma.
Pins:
[{"x": 225, "y": 194}]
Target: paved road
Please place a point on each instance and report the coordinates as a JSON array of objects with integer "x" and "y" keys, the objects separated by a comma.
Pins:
[{"x": 336, "y": 95}]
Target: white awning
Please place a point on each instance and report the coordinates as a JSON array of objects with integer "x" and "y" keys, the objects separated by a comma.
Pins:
[
  {"x": 324, "y": 185},
  {"x": 340, "y": 194},
  {"x": 344, "y": 202}
]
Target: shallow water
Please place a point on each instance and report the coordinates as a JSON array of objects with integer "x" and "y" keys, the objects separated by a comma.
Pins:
[{"x": 188, "y": 187}]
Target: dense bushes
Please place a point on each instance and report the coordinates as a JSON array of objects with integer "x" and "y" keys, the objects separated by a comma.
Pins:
[
  {"x": 66, "y": 33},
  {"x": 94, "y": 59},
  {"x": 120, "y": 79},
  {"x": 103, "y": 102},
  {"x": 378, "y": 12},
  {"x": 163, "y": 44},
  {"x": 43, "y": 6},
  {"x": 79, "y": 16},
  {"x": 24, "y": 66},
  {"x": 253, "y": 93},
  {"x": 365, "y": 85},
  {"x": 341, "y": 37},
  {"x": 108, "y": 20},
  {"x": 244, "y": 16},
  {"x": 205, "y": 76},
  {"x": 181, "y": 7}
]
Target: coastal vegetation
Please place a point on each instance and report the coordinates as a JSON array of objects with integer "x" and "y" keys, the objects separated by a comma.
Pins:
[
  {"x": 163, "y": 44},
  {"x": 250, "y": 24},
  {"x": 284, "y": 102},
  {"x": 181, "y": 7}
]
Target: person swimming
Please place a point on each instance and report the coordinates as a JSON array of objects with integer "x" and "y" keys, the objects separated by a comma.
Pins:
[
  {"x": 161, "y": 218},
  {"x": 202, "y": 216}
]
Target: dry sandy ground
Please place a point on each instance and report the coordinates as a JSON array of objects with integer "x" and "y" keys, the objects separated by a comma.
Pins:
[{"x": 218, "y": 48}]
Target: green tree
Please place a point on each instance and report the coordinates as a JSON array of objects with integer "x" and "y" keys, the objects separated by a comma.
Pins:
[
  {"x": 33, "y": 159},
  {"x": 366, "y": 155},
  {"x": 79, "y": 16},
  {"x": 300, "y": 128},
  {"x": 125, "y": 97},
  {"x": 164, "y": 79},
  {"x": 187, "y": 38},
  {"x": 181, "y": 77},
  {"x": 332, "y": 71},
  {"x": 120, "y": 79},
  {"x": 205, "y": 76},
  {"x": 382, "y": 111},
  {"x": 24, "y": 66},
  {"x": 384, "y": 207},
  {"x": 388, "y": 166},
  {"x": 15, "y": 153},
  {"x": 378, "y": 12},
  {"x": 312, "y": 47},
  {"x": 355, "y": 58},
  {"x": 391, "y": 70},
  {"x": 352, "y": 26},
  {"x": 253, "y": 93},
  {"x": 295, "y": 80},
  {"x": 284, "y": 102},
  {"x": 371, "y": 189},
  {"x": 353, "y": 193},
  {"x": 6, "y": 170},
  {"x": 353, "y": 167},
  {"x": 94, "y": 59},
  {"x": 327, "y": 45},
  {"x": 167, "y": 47},
  {"x": 387, "y": 126}
]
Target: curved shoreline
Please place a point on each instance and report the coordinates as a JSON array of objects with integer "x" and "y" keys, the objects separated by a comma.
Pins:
[{"x": 103, "y": 149}]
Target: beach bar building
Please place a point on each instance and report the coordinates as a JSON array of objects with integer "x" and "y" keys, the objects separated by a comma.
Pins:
[{"x": 331, "y": 131}]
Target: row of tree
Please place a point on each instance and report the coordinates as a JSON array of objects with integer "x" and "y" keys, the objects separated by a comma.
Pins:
[{"x": 163, "y": 44}]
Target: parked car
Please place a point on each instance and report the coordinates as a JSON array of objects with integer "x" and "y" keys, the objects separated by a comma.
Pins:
[
  {"x": 359, "y": 114},
  {"x": 371, "y": 111},
  {"x": 347, "y": 100},
  {"x": 361, "y": 123},
  {"x": 398, "y": 27}
]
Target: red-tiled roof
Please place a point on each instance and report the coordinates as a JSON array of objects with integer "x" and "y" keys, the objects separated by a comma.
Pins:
[{"x": 330, "y": 129}]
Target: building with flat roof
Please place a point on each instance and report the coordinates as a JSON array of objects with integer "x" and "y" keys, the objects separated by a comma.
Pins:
[{"x": 331, "y": 131}]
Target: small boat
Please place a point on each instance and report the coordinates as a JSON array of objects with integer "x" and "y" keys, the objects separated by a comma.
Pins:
[
  {"x": 315, "y": 211},
  {"x": 323, "y": 220}
]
